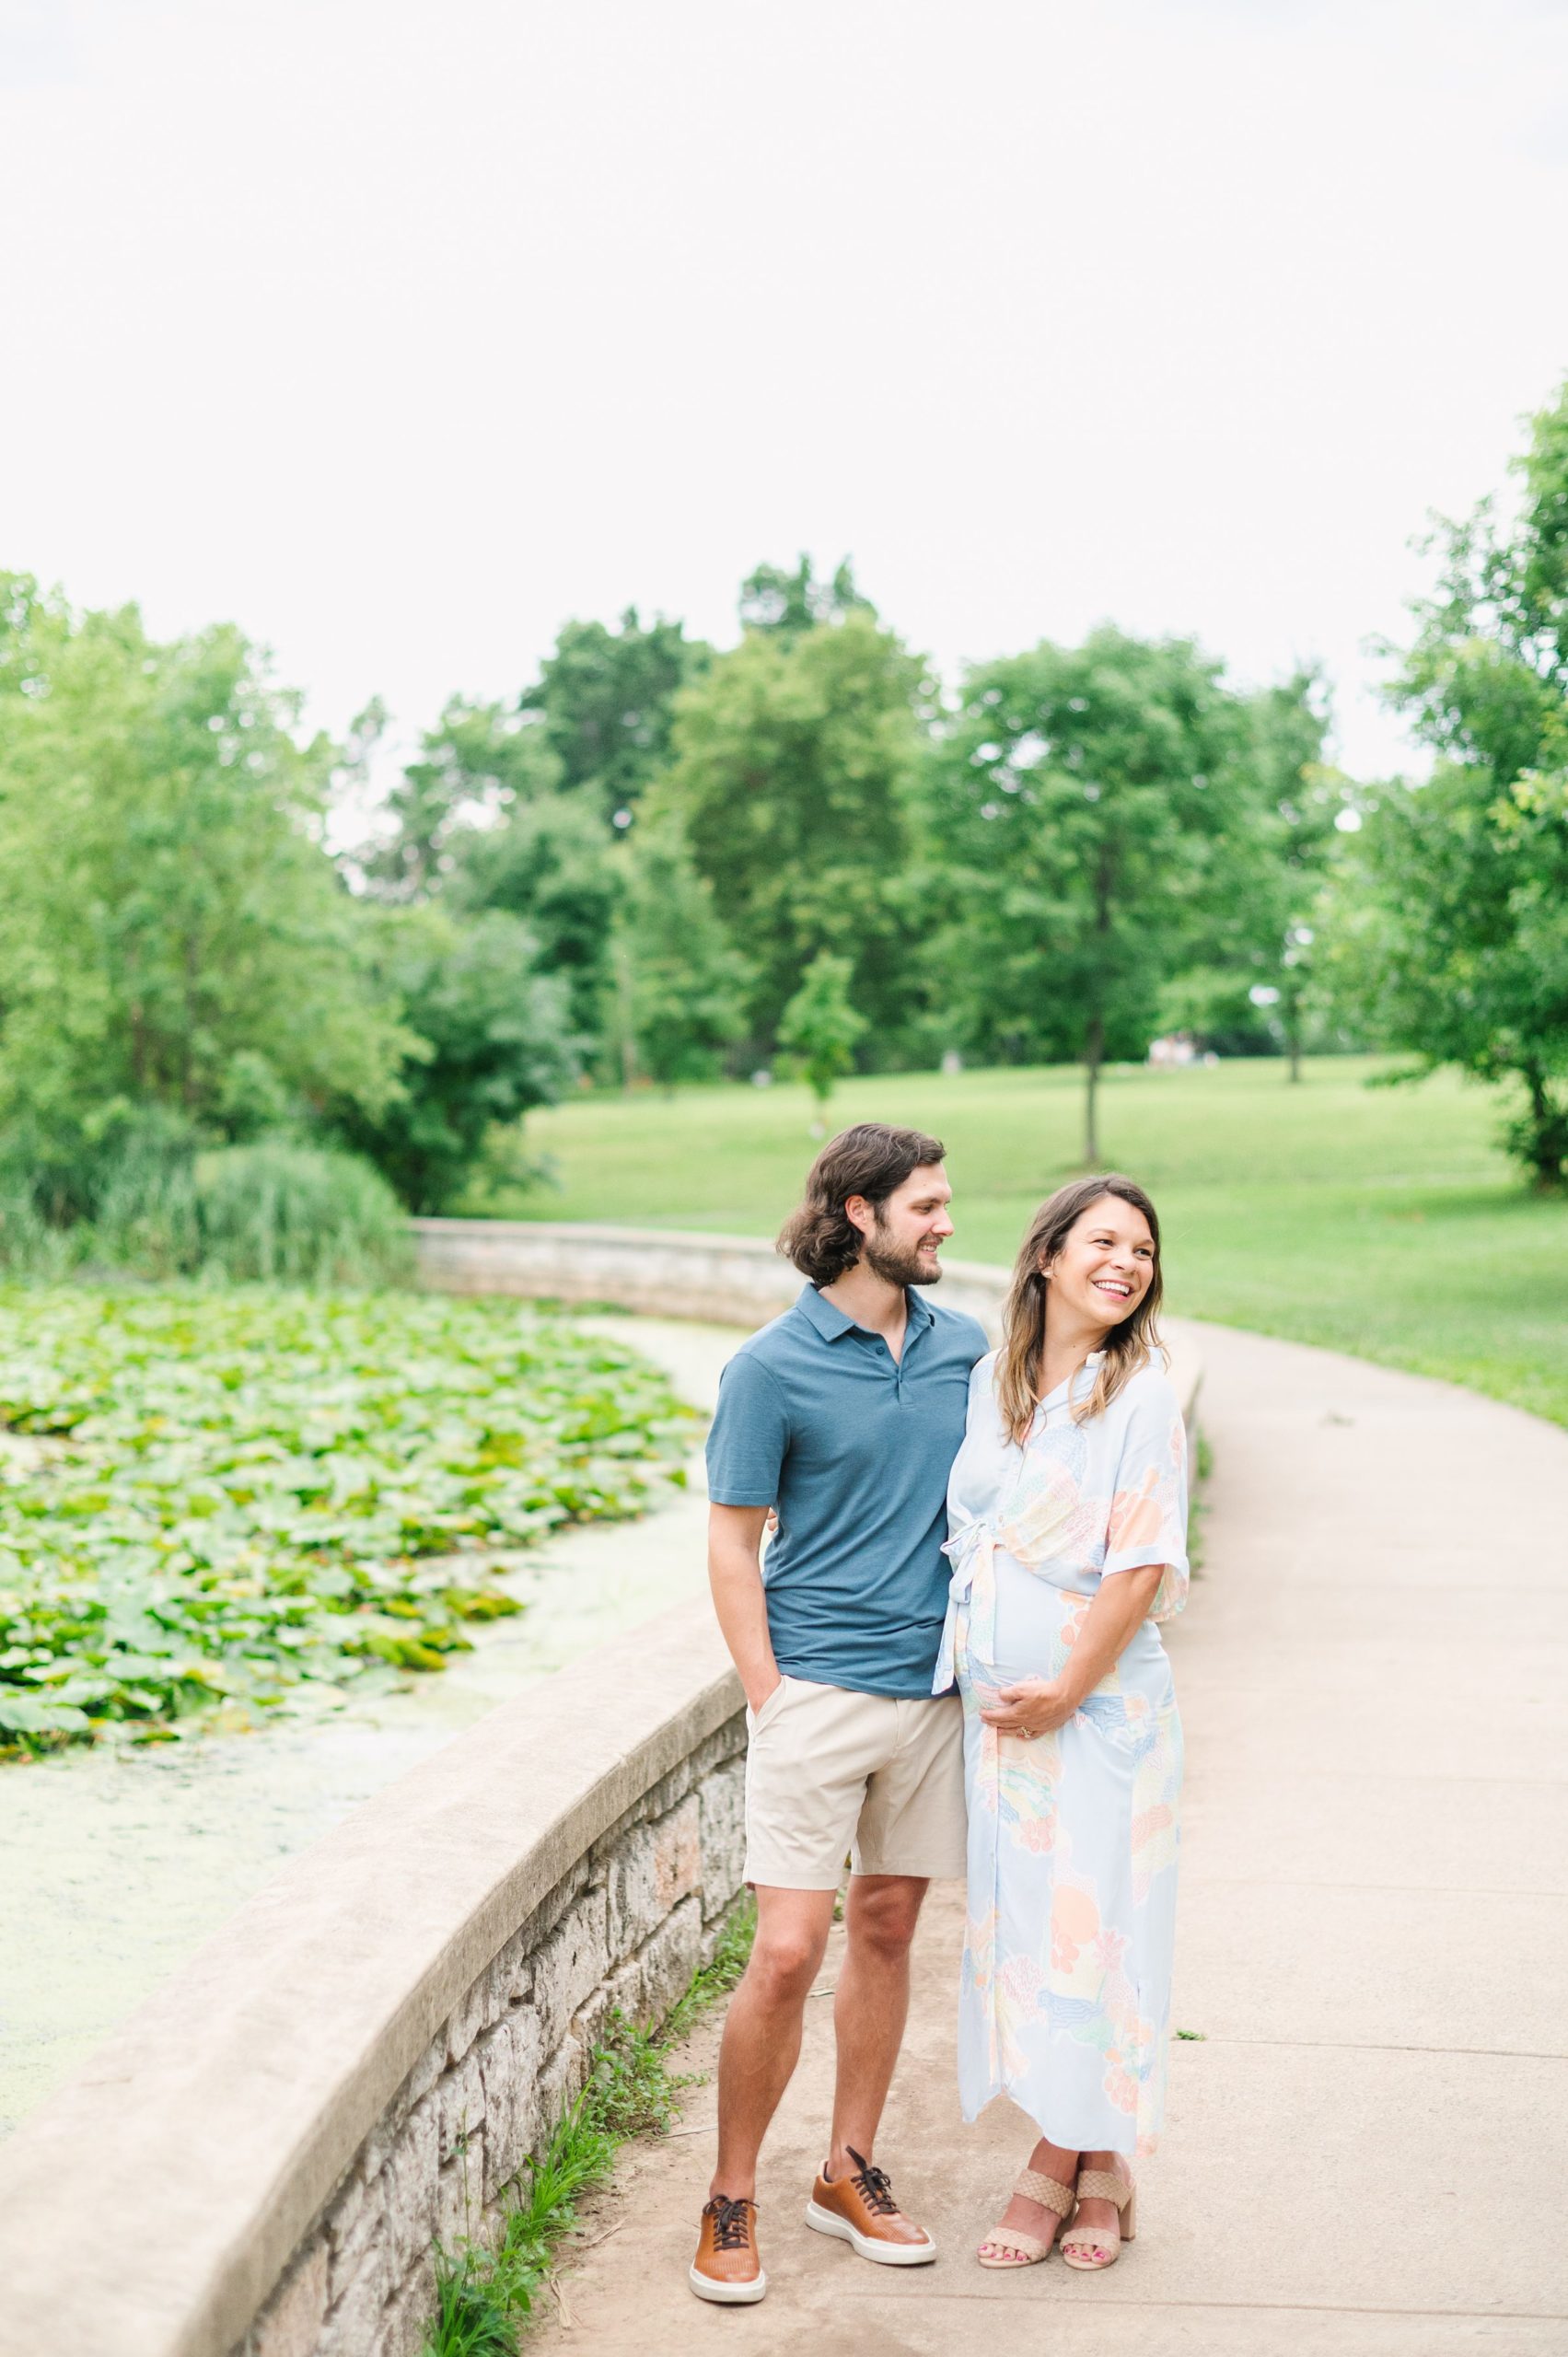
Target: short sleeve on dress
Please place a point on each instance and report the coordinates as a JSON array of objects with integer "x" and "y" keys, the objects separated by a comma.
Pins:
[{"x": 1148, "y": 1507}]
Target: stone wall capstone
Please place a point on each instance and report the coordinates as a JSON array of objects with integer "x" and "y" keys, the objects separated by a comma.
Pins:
[
  {"x": 258, "y": 2162},
  {"x": 623, "y": 1933},
  {"x": 733, "y": 1279}
]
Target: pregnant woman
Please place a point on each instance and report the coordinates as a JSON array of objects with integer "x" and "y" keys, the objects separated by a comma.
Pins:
[{"x": 1067, "y": 1510}]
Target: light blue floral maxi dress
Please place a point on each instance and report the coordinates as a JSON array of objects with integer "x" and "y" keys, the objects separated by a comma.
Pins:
[{"x": 1066, "y": 1995}]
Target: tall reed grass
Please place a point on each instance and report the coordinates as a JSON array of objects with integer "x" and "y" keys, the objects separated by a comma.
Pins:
[{"x": 274, "y": 1212}]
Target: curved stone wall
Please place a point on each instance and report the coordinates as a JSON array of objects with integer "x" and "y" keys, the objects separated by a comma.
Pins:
[
  {"x": 734, "y": 1280},
  {"x": 255, "y": 2163}
]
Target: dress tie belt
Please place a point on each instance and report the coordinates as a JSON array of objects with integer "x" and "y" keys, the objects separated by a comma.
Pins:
[{"x": 971, "y": 1551}]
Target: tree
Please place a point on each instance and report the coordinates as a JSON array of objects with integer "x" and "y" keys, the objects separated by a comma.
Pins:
[
  {"x": 492, "y": 1040},
  {"x": 1076, "y": 804},
  {"x": 680, "y": 981},
  {"x": 820, "y": 1025},
  {"x": 175, "y": 936},
  {"x": 789, "y": 603},
  {"x": 1448, "y": 938},
  {"x": 605, "y": 700},
  {"x": 1460, "y": 949},
  {"x": 1286, "y": 858},
  {"x": 1251, "y": 984},
  {"x": 479, "y": 761},
  {"x": 792, "y": 771},
  {"x": 553, "y": 862}
]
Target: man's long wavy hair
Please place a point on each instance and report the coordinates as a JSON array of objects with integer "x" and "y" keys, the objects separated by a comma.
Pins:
[
  {"x": 1126, "y": 1348},
  {"x": 871, "y": 1160}
]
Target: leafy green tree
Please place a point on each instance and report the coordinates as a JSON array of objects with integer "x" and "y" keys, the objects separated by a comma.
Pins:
[
  {"x": 553, "y": 862},
  {"x": 492, "y": 1040},
  {"x": 789, "y": 603},
  {"x": 820, "y": 1025},
  {"x": 792, "y": 771},
  {"x": 1251, "y": 986},
  {"x": 479, "y": 761},
  {"x": 1452, "y": 935},
  {"x": 175, "y": 936},
  {"x": 1448, "y": 938},
  {"x": 680, "y": 981},
  {"x": 1078, "y": 800},
  {"x": 605, "y": 700},
  {"x": 1285, "y": 858}
]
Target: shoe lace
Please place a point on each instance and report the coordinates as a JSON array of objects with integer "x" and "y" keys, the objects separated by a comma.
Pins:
[
  {"x": 732, "y": 2226},
  {"x": 876, "y": 2187}
]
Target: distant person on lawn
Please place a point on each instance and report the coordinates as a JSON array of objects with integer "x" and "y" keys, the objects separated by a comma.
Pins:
[{"x": 847, "y": 1412}]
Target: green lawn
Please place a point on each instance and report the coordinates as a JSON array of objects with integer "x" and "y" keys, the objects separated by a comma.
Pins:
[{"x": 1382, "y": 1221}]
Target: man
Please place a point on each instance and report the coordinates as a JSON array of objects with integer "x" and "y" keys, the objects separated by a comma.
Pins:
[{"x": 847, "y": 1412}]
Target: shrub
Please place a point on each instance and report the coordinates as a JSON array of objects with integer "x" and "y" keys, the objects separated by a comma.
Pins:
[
  {"x": 274, "y": 1212},
  {"x": 29, "y": 1246},
  {"x": 297, "y": 1214}
]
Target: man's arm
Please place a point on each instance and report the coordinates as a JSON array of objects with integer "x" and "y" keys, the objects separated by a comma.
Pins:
[{"x": 735, "y": 1574}]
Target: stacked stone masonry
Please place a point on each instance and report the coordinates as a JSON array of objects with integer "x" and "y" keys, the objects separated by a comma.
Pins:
[{"x": 623, "y": 1931}]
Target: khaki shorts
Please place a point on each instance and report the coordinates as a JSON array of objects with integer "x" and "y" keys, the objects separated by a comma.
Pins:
[{"x": 828, "y": 1771}]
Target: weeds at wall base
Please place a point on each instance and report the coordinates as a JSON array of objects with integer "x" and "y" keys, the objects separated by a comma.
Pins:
[
  {"x": 1197, "y": 1505},
  {"x": 486, "y": 2292}
]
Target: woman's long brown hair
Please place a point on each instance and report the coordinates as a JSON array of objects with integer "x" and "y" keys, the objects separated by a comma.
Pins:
[{"x": 1127, "y": 1347}]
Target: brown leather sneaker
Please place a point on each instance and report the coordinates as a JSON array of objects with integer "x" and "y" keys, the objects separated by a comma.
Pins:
[
  {"x": 862, "y": 2212},
  {"x": 726, "y": 2268}
]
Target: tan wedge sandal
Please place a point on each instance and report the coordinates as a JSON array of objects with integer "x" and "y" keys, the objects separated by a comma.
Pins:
[
  {"x": 1102, "y": 2185},
  {"x": 1051, "y": 2194}
]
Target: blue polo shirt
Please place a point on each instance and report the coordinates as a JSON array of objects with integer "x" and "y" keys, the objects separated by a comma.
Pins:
[{"x": 816, "y": 1417}]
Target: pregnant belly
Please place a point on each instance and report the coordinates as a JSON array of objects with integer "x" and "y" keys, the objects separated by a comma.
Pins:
[{"x": 1038, "y": 1626}]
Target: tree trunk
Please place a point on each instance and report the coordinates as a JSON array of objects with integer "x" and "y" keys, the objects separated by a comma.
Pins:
[
  {"x": 625, "y": 1016},
  {"x": 1093, "y": 1035},
  {"x": 1292, "y": 1015},
  {"x": 1547, "y": 1132},
  {"x": 1094, "y": 1056}
]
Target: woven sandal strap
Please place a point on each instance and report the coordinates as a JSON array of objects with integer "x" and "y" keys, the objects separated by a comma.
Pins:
[
  {"x": 1015, "y": 2239},
  {"x": 1046, "y": 2191},
  {"x": 1103, "y": 2185},
  {"x": 1089, "y": 2238}
]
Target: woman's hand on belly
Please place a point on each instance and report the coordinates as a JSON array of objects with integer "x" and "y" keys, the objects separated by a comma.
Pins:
[{"x": 1034, "y": 1706}]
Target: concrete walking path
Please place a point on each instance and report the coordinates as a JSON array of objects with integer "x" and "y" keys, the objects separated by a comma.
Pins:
[{"x": 1368, "y": 2127}]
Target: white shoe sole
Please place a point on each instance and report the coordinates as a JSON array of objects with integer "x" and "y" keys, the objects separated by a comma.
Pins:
[
  {"x": 880, "y": 2254},
  {"x": 725, "y": 2296}
]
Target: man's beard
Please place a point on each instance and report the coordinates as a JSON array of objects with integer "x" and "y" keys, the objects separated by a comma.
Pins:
[{"x": 896, "y": 1264}]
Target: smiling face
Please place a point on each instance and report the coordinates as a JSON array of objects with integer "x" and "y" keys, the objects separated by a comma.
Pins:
[
  {"x": 905, "y": 1234},
  {"x": 1105, "y": 1265}
]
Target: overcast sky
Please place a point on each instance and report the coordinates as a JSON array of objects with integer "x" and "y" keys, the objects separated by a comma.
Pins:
[{"x": 399, "y": 332}]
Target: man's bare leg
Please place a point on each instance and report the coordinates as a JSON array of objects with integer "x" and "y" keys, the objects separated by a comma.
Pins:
[
  {"x": 870, "y": 2008},
  {"x": 762, "y": 2033}
]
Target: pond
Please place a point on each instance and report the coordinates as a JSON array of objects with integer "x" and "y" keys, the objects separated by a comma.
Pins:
[{"x": 118, "y": 1860}]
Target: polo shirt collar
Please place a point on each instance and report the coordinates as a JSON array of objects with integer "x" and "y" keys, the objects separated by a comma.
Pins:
[{"x": 830, "y": 1321}]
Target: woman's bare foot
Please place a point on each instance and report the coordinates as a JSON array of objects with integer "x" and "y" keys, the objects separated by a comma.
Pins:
[
  {"x": 1031, "y": 2217},
  {"x": 1101, "y": 2216}
]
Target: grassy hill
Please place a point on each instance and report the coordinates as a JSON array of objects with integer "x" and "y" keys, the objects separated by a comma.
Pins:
[{"x": 1382, "y": 1221}]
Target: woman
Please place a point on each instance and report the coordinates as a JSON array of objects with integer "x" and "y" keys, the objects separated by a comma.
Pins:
[{"x": 1067, "y": 1510}]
